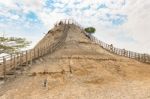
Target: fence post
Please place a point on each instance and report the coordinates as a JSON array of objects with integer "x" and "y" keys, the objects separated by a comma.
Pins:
[
  {"x": 17, "y": 58},
  {"x": 46, "y": 49},
  {"x": 115, "y": 50},
  {"x": 38, "y": 52},
  {"x": 111, "y": 47},
  {"x": 11, "y": 61},
  {"x": 129, "y": 53},
  {"x": 41, "y": 49},
  {"x": 144, "y": 58},
  {"x": 14, "y": 65},
  {"x": 123, "y": 52},
  {"x": 134, "y": 55},
  {"x": 31, "y": 58},
  {"x": 26, "y": 58},
  {"x": 21, "y": 61},
  {"x": 34, "y": 53},
  {"x": 21, "y": 56},
  {"x": 139, "y": 57},
  {"x": 14, "y": 61},
  {"x": 148, "y": 58},
  {"x": 119, "y": 51},
  {"x": 4, "y": 68}
]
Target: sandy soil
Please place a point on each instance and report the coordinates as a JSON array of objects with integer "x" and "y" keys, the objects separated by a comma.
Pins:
[{"x": 81, "y": 69}]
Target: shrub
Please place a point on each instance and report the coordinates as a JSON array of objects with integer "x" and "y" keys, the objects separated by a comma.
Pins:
[{"x": 90, "y": 30}]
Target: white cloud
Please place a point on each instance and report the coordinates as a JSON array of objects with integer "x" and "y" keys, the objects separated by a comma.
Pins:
[{"x": 136, "y": 26}]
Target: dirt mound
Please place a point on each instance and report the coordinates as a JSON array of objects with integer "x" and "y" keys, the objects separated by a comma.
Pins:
[{"x": 80, "y": 69}]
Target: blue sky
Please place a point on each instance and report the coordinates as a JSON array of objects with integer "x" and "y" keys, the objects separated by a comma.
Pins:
[{"x": 123, "y": 23}]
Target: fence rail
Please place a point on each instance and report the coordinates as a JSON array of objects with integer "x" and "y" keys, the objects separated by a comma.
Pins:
[
  {"x": 24, "y": 58},
  {"x": 142, "y": 57},
  {"x": 122, "y": 52}
]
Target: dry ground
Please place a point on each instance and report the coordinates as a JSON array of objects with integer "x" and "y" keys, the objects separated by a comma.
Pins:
[{"x": 81, "y": 69}]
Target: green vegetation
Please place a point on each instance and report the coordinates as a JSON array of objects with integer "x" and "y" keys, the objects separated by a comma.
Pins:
[
  {"x": 90, "y": 30},
  {"x": 12, "y": 44}
]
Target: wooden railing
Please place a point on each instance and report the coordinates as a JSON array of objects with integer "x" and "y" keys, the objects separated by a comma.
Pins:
[
  {"x": 145, "y": 58},
  {"x": 10, "y": 63},
  {"x": 13, "y": 62},
  {"x": 122, "y": 52}
]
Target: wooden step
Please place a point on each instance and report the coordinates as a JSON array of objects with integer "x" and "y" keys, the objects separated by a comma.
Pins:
[
  {"x": 1, "y": 78},
  {"x": 18, "y": 68},
  {"x": 10, "y": 73}
]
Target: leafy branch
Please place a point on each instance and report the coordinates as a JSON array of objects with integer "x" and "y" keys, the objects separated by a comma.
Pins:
[{"x": 12, "y": 44}]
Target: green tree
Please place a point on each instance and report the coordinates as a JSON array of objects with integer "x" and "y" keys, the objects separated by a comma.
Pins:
[
  {"x": 12, "y": 44},
  {"x": 90, "y": 30}
]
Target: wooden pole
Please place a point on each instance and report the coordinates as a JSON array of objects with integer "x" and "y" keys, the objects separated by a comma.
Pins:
[
  {"x": 34, "y": 53},
  {"x": 129, "y": 54},
  {"x": 139, "y": 56},
  {"x": 26, "y": 58},
  {"x": 44, "y": 50},
  {"x": 21, "y": 57},
  {"x": 111, "y": 47},
  {"x": 70, "y": 69},
  {"x": 4, "y": 68},
  {"x": 144, "y": 57},
  {"x": 17, "y": 58},
  {"x": 15, "y": 65},
  {"x": 41, "y": 51},
  {"x": 38, "y": 52},
  {"x": 11, "y": 61},
  {"x": 31, "y": 57},
  {"x": 14, "y": 62},
  {"x": 148, "y": 58}
]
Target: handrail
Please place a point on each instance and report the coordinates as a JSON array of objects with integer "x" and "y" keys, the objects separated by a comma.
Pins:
[
  {"x": 145, "y": 58},
  {"x": 24, "y": 58},
  {"x": 141, "y": 57}
]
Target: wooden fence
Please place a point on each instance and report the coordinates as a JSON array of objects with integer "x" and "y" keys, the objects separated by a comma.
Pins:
[
  {"x": 18, "y": 61},
  {"x": 10, "y": 63},
  {"x": 145, "y": 58},
  {"x": 122, "y": 52}
]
